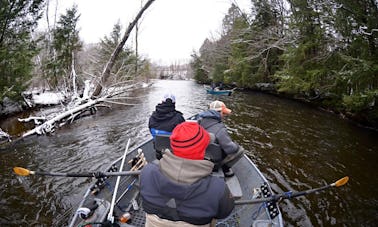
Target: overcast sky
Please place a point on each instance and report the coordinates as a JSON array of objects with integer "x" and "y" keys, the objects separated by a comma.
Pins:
[{"x": 170, "y": 29}]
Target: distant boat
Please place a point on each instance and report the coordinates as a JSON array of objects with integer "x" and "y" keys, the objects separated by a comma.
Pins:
[{"x": 217, "y": 91}]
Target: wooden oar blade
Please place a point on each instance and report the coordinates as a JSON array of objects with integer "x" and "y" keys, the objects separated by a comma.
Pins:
[
  {"x": 342, "y": 181},
  {"x": 21, "y": 171}
]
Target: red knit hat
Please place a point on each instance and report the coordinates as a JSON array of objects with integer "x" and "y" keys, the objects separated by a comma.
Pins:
[{"x": 189, "y": 140}]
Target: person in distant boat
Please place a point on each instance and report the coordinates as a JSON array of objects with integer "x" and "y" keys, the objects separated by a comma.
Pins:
[
  {"x": 220, "y": 87},
  {"x": 213, "y": 86},
  {"x": 179, "y": 190},
  {"x": 165, "y": 118},
  {"x": 211, "y": 120}
]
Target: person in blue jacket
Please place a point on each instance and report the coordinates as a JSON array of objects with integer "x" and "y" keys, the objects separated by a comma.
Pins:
[{"x": 179, "y": 190}]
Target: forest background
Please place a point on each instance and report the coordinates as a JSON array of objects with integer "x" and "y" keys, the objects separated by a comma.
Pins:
[{"x": 321, "y": 52}]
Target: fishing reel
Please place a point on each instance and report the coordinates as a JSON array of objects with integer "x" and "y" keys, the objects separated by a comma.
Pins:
[
  {"x": 84, "y": 213},
  {"x": 87, "y": 210},
  {"x": 101, "y": 181}
]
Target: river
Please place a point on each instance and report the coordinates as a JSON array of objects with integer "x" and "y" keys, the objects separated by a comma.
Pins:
[{"x": 296, "y": 147}]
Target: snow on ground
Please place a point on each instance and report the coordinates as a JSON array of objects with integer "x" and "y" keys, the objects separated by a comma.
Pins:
[{"x": 48, "y": 98}]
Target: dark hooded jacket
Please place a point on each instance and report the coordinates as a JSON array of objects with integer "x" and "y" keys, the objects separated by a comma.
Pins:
[
  {"x": 165, "y": 117},
  {"x": 211, "y": 121},
  {"x": 179, "y": 189}
]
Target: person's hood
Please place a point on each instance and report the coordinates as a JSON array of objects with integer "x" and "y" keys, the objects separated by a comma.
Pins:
[
  {"x": 184, "y": 171},
  {"x": 164, "y": 110},
  {"x": 184, "y": 177},
  {"x": 211, "y": 114}
]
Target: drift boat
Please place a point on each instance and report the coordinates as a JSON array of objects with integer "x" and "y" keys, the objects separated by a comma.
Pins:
[
  {"x": 247, "y": 184},
  {"x": 217, "y": 91}
]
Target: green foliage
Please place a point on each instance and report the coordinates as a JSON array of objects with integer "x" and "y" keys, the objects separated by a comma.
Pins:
[
  {"x": 245, "y": 53},
  {"x": 359, "y": 102},
  {"x": 323, "y": 51},
  {"x": 237, "y": 61},
  {"x": 108, "y": 44},
  {"x": 302, "y": 73},
  {"x": 217, "y": 74},
  {"x": 125, "y": 62},
  {"x": 145, "y": 70},
  {"x": 66, "y": 44},
  {"x": 200, "y": 74},
  {"x": 17, "y": 20}
]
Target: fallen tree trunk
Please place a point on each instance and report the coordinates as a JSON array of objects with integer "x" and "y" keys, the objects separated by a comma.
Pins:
[
  {"x": 71, "y": 114},
  {"x": 49, "y": 126},
  {"x": 96, "y": 98}
]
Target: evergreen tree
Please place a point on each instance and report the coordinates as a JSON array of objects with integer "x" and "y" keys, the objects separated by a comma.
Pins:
[
  {"x": 256, "y": 43},
  {"x": 356, "y": 24},
  {"x": 199, "y": 73},
  {"x": 66, "y": 45},
  {"x": 303, "y": 71},
  {"x": 18, "y": 18},
  {"x": 126, "y": 59},
  {"x": 234, "y": 30}
]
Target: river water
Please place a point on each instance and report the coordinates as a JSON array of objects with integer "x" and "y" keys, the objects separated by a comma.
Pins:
[{"x": 296, "y": 147}]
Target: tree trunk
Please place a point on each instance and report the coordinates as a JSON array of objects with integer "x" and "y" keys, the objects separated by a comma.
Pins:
[
  {"x": 106, "y": 73},
  {"x": 49, "y": 126},
  {"x": 69, "y": 115}
]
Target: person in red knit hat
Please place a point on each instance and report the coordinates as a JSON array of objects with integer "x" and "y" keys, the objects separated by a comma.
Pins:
[
  {"x": 179, "y": 189},
  {"x": 190, "y": 141}
]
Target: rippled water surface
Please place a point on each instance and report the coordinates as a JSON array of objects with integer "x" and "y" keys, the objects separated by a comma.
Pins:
[{"x": 295, "y": 146}]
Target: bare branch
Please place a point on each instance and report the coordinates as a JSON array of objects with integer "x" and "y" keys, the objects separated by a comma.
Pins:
[{"x": 106, "y": 73}]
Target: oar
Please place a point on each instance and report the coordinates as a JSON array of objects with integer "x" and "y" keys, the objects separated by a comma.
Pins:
[
  {"x": 25, "y": 172},
  {"x": 289, "y": 195},
  {"x": 110, "y": 214}
]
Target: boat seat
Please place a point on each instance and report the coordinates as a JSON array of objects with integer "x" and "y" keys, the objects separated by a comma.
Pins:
[
  {"x": 161, "y": 143},
  {"x": 234, "y": 186},
  {"x": 232, "y": 183}
]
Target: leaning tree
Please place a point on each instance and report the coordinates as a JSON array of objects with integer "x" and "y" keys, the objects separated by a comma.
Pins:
[{"x": 100, "y": 95}]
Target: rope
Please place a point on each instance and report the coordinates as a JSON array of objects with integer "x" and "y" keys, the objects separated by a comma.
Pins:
[{"x": 258, "y": 211}]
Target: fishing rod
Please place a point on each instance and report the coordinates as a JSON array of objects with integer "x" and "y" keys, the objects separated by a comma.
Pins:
[{"x": 110, "y": 214}]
